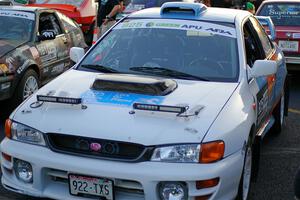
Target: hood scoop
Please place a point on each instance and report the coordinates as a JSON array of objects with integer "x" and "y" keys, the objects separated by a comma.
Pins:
[{"x": 134, "y": 84}]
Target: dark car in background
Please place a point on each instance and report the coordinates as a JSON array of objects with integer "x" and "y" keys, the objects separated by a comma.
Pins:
[
  {"x": 285, "y": 15},
  {"x": 34, "y": 48}
]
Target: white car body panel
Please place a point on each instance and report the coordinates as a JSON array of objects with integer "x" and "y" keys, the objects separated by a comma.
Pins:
[
  {"x": 163, "y": 129},
  {"x": 228, "y": 113},
  {"x": 146, "y": 173}
]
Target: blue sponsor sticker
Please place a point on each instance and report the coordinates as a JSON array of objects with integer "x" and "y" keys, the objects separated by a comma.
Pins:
[{"x": 118, "y": 98}]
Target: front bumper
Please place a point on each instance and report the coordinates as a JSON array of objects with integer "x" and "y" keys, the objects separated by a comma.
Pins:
[
  {"x": 50, "y": 170},
  {"x": 292, "y": 60}
]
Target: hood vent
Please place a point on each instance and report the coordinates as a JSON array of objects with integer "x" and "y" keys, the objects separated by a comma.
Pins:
[{"x": 134, "y": 84}]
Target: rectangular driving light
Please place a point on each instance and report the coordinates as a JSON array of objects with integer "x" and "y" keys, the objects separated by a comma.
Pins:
[
  {"x": 53, "y": 99},
  {"x": 159, "y": 108}
]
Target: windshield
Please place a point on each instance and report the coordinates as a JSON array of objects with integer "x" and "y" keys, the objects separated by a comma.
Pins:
[
  {"x": 76, "y": 3},
  {"x": 282, "y": 14},
  {"x": 171, "y": 48},
  {"x": 16, "y": 25}
]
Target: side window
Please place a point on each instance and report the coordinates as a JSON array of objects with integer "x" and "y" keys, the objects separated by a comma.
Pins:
[
  {"x": 49, "y": 22},
  {"x": 263, "y": 37},
  {"x": 252, "y": 46},
  {"x": 68, "y": 23}
]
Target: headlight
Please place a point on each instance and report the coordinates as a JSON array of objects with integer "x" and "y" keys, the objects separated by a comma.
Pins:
[
  {"x": 185, "y": 153},
  {"x": 190, "y": 153},
  {"x": 26, "y": 134},
  {"x": 3, "y": 69}
]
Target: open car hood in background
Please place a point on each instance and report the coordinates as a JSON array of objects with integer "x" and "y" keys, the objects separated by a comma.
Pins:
[{"x": 61, "y": 7}]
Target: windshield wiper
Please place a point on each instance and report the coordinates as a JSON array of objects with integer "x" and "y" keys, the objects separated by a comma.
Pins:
[
  {"x": 100, "y": 68},
  {"x": 167, "y": 72}
]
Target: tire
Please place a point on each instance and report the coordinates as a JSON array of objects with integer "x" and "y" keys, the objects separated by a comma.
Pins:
[
  {"x": 28, "y": 84},
  {"x": 246, "y": 178},
  {"x": 279, "y": 115}
]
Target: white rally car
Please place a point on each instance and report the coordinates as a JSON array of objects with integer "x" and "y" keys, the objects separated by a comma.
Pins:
[{"x": 170, "y": 104}]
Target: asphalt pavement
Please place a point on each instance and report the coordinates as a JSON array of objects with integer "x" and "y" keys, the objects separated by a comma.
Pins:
[{"x": 280, "y": 155}]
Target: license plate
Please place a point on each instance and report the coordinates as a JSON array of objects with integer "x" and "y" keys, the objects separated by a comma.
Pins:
[
  {"x": 91, "y": 185},
  {"x": 288, "y": 45}
]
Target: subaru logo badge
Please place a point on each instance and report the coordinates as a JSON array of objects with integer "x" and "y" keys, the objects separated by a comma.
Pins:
[{"x": 95, "y": 147}]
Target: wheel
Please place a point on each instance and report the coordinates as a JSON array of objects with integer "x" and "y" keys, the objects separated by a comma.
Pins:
[
  {"x": 246, "y": 179},
  {"x": 279, "y": 115},
  {"x": 28, "y": 85}
]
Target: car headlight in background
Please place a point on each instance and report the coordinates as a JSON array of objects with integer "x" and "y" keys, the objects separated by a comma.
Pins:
[
  {"x": 23, "y": 133},
  {"x": 3, "y": 69},
  {"x": 190, "y": 153}
]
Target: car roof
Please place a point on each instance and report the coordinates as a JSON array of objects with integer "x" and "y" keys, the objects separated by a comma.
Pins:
[
  {"x": 210, "y": 14},
  {"x": 22, "y": 8}
]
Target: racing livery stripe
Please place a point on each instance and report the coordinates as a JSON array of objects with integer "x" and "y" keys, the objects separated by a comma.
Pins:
[
  {"x": 17, "y": 14},
  {"x": 191, "y": 26}
]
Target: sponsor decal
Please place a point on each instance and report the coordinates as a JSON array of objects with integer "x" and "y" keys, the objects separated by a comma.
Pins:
[
  {"x": 21, "y": 69},
  {"x": 263, "y": 100},
  {"x": 47, "y": 52},
  {"x": 284, "y": 13},
  {"x": 296, "y": 35},
  {"x": 46, "y": 69},
  {"x": 203, "y": 27},
  {"x": 17, "y": 14},
  {"x": 58, "y": 68},
  {"x": 119, "y": 99}
]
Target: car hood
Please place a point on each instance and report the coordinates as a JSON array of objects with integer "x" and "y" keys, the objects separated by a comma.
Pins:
[
  {"x": 6, "y": 46},
  {"x": 109, "y": 116}
]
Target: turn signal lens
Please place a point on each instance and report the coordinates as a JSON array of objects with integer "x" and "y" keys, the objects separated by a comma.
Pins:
[
  {"x": 207, "y": 183},
  {"x": 205, "y": 197},
  {"x": 6, "y": 157},
  {"x": 8, "y": 124},
  {"x": 212, "y": 151}
]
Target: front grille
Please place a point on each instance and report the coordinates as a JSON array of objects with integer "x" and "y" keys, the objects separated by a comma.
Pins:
[
  {"x": 120, "y": 185},
  {"x": 98, "y": 148}
]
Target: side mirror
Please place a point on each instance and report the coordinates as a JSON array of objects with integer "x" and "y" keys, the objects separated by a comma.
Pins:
[
  {"x": 47, "y": 35},
  {"x": 263, "y": 68},
  {"x": 76, "y": 53},
  {"x": 267, "y": 22}
]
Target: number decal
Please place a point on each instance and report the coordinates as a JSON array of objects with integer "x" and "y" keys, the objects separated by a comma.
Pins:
[
  {"x": 75, "y": 185},
  {"x": 80, "y": 186},
  {"x": 85, "y": 186}
]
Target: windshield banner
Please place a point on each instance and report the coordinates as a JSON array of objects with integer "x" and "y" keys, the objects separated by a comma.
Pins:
[
  {"x": 18, "y": 14},
  {"x": 190, "y": 26}
]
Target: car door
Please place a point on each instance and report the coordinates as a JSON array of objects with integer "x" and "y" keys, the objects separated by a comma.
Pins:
[
  {"x": 272, "y": 52},
  {"x": 259, "y": 47},
  {"x": 53, "y": 52}
]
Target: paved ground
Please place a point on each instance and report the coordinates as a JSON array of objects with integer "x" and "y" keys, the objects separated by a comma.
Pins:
[{"x": 279, "y": 160}]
